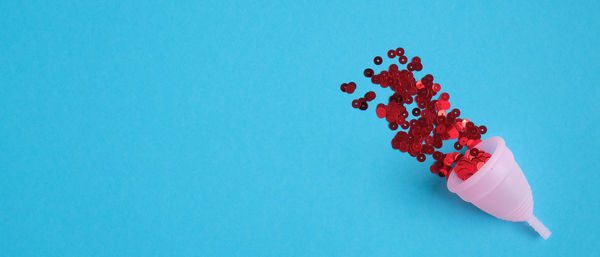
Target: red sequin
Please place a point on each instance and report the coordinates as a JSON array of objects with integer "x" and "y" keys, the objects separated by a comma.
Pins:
[
  {"x": 403, "y": 59},
  {"x": 363, "y": 105},
  {"x": 377, "y": 60},
  {"x": 350, "y": 87},
  {"x": 370, "y": 96},
  {"x": 482, "y": 129},
  {"x": 445, "y": 96},
  {"x": 391, "y": 53},
  {"x": 405, "y": 125},
  {"x": 416, "y": 112},
  {"x": 381, "y": 111},
  {"x": 399, "y": 51}
]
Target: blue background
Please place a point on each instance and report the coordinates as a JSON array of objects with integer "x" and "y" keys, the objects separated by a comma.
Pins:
[{"x": 215, "y": 128}]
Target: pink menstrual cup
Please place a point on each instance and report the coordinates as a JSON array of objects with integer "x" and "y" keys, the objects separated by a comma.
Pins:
[{"x": 499, "y": 187}]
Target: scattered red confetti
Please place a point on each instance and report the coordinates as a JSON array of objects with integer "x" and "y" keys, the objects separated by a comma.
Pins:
[{"x": 433, "y": 121}]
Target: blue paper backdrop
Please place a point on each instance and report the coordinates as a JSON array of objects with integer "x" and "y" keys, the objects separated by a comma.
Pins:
[{"x": 217, "y": 128}]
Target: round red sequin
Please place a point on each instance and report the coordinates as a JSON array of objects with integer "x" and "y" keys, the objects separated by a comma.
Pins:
[
  {"x": 438, "y": 143},
  {"x": 363, "y": 105},
  {"x": 377, "y": 60},
  {"x": 482, "y": 129},
  {"x": 416, "y": 112},
  {"x": 381, "y": 111},
  {"x": 405, "y": 125},
  {"x": 455, "y": 112},
  {"x": 391, "y": 53},
  {"x": 350, "y": 87},
  {"x": 438, "y": 155},
  {"x": 399, "y": 51},
  {"x": 434, "y": 169},
  {"x": 440, "y": 128},
  {"x": 428, "y": 149},
  {"x": 429, "y": 140},
  {"x": 418, "y": 66},
  {"x": 445, "y": 96},
  {"x": 404, "y": 114},
  {"x": 417, "y": 147},
  {"x": 403, "y": 59},
  {"x": 435, "y": 122},
  {"x": 457, "y": 146},
  {"x": 370, "y": 96},
  {"x": 403, "y": 147}
]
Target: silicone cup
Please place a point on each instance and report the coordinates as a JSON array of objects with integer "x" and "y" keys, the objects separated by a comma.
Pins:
[{"x": 499, "y": 187}]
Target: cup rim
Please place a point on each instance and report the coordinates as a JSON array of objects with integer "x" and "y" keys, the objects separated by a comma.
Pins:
[{"x": 455, "y": 184}]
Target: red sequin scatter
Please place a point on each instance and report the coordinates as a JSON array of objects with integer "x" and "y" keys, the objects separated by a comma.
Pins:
[{"x": 434, "y": 121}]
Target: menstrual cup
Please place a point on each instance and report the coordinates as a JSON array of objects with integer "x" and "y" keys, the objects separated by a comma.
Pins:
[{"x": 499, "y": 187}]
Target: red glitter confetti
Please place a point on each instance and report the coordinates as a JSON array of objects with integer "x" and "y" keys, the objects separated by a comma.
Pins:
[
  {"x": 378, "y": 60},
  {"x": 348, "y": 87},
  {"x": 391, "y": 53},
  {"x": 370, "y": 96},
  {"x": 399, "y": 51},
  {"x": 403, "y": 60},
  {"x": 363, "y": 105},
  {"x": 381, "y": 111},
  {"x": 433, "y": 123},
  {"x": 482, "y": 129}
]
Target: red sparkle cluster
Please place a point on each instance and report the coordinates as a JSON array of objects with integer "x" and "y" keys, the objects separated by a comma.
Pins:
[
  {"x": 472, "y": 161},
  {"x": 432, "y": 123}
]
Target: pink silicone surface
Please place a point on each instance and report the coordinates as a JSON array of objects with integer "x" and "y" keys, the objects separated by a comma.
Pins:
[{"x": 499, "y": 187}]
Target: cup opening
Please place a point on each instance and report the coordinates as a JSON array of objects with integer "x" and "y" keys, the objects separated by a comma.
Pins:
[{"x": 492, "y": 145}]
